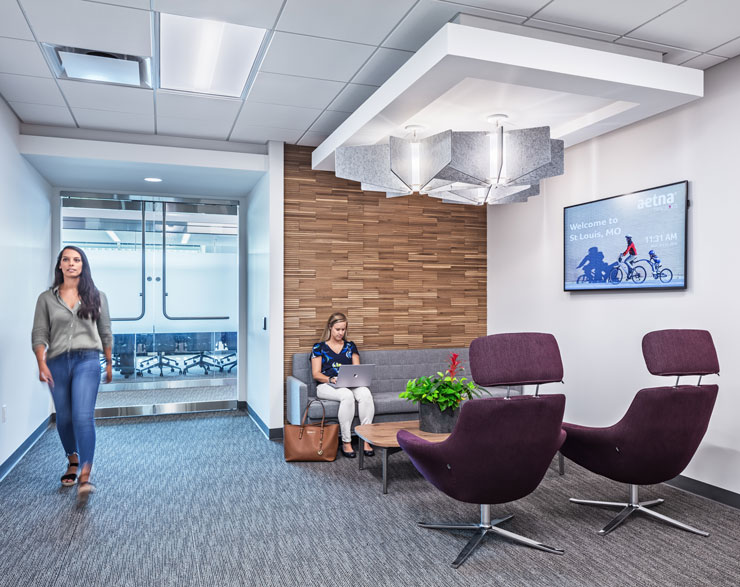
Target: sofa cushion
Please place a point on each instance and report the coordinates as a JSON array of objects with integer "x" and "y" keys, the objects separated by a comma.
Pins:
[{"x": 385, "y": 403}]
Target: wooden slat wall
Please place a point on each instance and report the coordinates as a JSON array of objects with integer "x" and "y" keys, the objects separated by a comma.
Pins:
[{"x": 409, "y": 272}]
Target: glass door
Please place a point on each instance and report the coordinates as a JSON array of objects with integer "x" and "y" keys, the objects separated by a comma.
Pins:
[{"x": 170, "y": 272}]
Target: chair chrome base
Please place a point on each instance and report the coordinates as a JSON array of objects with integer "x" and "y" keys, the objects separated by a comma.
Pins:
[
  {"x": 485, "y": 526},
  {"x": 635, "y": 505}
]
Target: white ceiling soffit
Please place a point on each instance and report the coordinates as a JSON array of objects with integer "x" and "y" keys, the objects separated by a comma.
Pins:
[
  {"x": 85, "y": 164},
  {"x": 463, "y": 74}
]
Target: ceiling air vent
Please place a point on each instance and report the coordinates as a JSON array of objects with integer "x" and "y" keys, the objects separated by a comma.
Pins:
[{"x": 99, "y": 66}]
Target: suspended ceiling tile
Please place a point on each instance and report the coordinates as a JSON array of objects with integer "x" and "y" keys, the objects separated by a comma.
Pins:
[
  {"x": 117, "y": 121},
  {"x": 261, "y": 134},
  {"x": 382, "y": 65},
  {"x": 731, "y": 49},
  {"x": 570, "y": 30},
  {"x": 22, "y": 58},
  {"x": 358, "y": 22},
  {"x": 704, "y": 61},
  {"x": 12, "y": 22},
  {"x": 255, "y": 13},
  {"x": 290, "y": 90},
  {"x": 312, "y": 139},
  {"x": 193, "y": 127},
  {"x": 34, "y": 90},
  {"x": 350, "y": 98},
  {"x": 429, "y": 16},
  {"x": 673, "y": 55},
  {"x": 328, "y": 121},
  {"x": 43, "y": 114},
  {"x": 609, "y": 17},
  {"x": 91, "y": 25},
  {"x": 520, "y": 7},
  {"x": 182, "y": 105},
  {"x": 699, "y": 25},
  {"x": 313, "y": 57},
  {"x": 278, "y": 116},
  {"x": 108, "y": 97}
]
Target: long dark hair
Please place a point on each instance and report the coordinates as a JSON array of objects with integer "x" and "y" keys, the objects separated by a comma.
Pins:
[
  {"x": 334, "y": 319},
  {"x": 89, "y": 294}
]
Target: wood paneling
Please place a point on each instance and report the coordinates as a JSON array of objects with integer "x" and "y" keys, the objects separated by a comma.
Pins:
[{"x": 409, "y": 272}]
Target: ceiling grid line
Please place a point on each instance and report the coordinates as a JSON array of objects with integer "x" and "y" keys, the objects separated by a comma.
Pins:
[
  {"x": 46, "y": 60},
  {"x": 261, "y": 54},
  {"x": 649, "y": 21},
  {"x": 536, "y": 12},
  {"x": 114, "y": 4},
  {"x": 377, "y": 48}
]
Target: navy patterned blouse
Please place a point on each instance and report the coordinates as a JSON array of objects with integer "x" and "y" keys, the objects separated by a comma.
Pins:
[{"x": 330, "y": 361}]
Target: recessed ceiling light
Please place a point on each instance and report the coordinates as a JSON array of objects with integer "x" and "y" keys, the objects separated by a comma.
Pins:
[
  {"x": 153, "y": 179},
  {"x": 206, "y": 56},
  {"x": 114, "y": 237}
]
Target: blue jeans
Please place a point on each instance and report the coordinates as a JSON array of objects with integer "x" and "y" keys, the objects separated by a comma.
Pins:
[{"x": 76, "y": 377}]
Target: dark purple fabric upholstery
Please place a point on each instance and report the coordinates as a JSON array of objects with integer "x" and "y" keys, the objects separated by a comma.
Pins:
[
  {"x": 498, "y": 452},
  {"x": 653, "y": 442},
  {"x": 680, "y": 352},
  {"x": 518, "y": 358}
]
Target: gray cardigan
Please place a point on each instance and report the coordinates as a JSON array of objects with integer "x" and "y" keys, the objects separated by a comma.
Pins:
[{"x": 61, "y": 330}]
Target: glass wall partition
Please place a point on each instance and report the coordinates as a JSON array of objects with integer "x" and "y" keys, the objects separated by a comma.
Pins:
[{"x": 170, "y": 272}]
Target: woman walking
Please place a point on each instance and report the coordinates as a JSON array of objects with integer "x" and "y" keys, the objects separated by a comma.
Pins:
[{"x": 71, "y": 327}]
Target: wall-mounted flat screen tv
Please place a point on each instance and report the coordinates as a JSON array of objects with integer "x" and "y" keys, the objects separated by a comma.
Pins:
[{"x": 632, "y": 241}]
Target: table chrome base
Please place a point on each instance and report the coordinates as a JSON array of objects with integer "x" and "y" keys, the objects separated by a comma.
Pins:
[
  {"x": 485, "y": 526},
  {"x": 635, "y": 505}
]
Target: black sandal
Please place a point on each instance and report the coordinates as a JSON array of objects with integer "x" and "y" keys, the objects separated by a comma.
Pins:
[{"x": 69, "y": 479}]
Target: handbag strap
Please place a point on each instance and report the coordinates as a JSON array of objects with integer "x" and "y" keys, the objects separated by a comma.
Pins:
[
  {"x": 323, "y": 417},
  {"x": 305, "y": 412}
]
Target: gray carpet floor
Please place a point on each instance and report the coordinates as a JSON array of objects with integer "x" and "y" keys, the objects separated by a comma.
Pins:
[{"x": 205, "y": 499}]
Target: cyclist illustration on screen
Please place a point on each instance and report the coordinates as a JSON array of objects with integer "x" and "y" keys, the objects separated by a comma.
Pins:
[
  {"x": 594, "y": 268},
  {"x": 629, "y": 255}
]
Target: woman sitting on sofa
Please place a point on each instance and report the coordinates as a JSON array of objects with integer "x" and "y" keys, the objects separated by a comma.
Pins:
[{"x": 326, "y": 357}]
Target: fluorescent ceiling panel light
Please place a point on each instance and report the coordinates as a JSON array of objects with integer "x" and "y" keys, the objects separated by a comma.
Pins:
[
  {"x": 185, "y": 238},
  {"x": 113, "y": 236},
  {"x": 206, "y": 56},
  {"x": 152, "y": 179}
]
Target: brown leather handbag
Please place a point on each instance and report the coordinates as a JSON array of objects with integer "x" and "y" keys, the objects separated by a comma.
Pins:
[{"x": 311, "y": 442}]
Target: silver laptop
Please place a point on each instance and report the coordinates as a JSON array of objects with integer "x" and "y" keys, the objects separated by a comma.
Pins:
[{"x": 354, "y": 376}]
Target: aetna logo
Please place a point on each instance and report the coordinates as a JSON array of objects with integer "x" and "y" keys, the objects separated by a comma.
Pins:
[{"x": 656, "y": 200}]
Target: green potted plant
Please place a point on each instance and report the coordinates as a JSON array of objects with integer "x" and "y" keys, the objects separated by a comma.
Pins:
[{"x": 439, "y": 397}]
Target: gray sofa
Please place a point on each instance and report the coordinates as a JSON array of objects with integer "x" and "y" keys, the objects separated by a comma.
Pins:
[{"x": 393, "y": 368}]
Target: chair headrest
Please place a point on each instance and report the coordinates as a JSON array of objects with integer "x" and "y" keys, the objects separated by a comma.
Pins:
[
  {"x": 518, "y": 358},
  {"x": 680, "y": 352}
]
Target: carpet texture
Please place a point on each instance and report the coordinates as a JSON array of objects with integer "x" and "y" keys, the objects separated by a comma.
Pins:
[{"x": 205, "y": 499}]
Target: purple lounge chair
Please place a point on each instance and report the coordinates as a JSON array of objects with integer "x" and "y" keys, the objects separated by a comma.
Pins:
[
  {"x": 500, "y": 448},
  {"x": 659, "y": 434}
]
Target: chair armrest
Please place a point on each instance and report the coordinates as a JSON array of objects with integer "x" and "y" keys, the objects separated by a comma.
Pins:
[{"x": 297, "y": 398}]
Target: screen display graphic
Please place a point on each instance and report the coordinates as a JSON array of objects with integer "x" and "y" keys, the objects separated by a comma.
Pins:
[{"x": 633, "y": 241}]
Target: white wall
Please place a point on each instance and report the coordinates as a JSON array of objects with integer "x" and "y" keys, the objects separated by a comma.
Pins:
[
  {"x": 258, "y": 297},
  {"x": 600, "y": 333},
  {"x": 265, "y": 293},
  {"x": 25, "y": 239}
]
